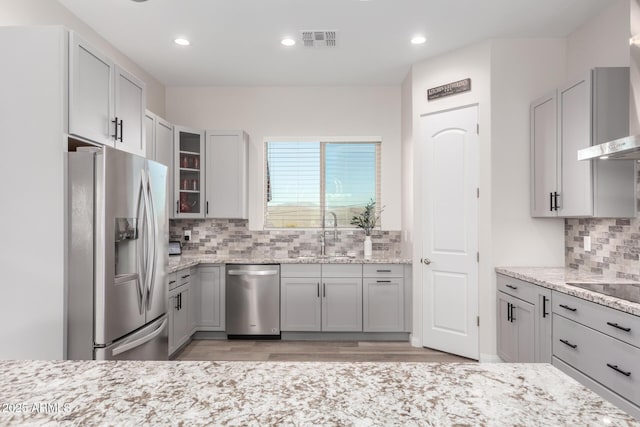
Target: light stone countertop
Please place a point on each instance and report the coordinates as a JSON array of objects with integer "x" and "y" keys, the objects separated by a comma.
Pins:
[
  {"x": 130, "y": 393},
  {"x": 557, "y": 278},
  {"x": 186, "y": 260}
]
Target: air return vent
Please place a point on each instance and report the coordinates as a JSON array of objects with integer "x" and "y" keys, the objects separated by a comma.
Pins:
[{"x": 320, "y": 38}]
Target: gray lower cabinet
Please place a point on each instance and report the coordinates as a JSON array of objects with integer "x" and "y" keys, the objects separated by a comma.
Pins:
[
  {"x": 300, "y": 304},
  {"x": 342, "y": 304},
  {"x": 598, "y": 346},
  {"x": 515, "y": 329},
  {"x": 383, "y": 298},
  {"x": 523, "y": 321},
  {"x": 211, "y": 301},
  {"x": 179, "y": 332}
]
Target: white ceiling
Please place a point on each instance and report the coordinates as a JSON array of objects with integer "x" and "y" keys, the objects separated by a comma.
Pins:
[{"x": 237, "y": 42}]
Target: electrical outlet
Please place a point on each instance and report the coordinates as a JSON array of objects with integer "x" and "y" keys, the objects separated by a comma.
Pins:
[
  {"x": 587, "y": 243},
  {"x": 187, "y": 235}
]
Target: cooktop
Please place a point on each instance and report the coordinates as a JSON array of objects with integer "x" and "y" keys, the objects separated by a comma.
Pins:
[{"x": 625, "y": 291}]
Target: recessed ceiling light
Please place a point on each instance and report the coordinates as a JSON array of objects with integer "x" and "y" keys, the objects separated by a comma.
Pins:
[
  {"x": 287, "y": 41},
  {"x": 418, "y": 39},
  {"x": 182, "y": 42}
]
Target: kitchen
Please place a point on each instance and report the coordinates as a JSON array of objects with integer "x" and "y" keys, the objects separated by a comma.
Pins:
[{"x": 506, "y": 75}]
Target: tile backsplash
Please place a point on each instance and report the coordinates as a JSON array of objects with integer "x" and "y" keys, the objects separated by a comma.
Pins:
[
  {"x": 615, "y": 245},
  {"x": 232, "y": 238}
]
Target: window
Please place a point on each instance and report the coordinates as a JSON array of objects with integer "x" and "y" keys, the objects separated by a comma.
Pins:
[{"x": 303, "y": 179}]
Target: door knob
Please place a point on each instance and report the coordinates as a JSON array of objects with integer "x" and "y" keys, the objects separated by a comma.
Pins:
[{"x": 426, "y": 261}]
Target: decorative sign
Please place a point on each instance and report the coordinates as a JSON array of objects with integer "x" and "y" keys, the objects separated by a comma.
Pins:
[{"x": 449, "y": 89}]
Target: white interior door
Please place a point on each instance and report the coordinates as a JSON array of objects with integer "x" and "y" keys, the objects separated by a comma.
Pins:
[{"x": 450, "y": 231}]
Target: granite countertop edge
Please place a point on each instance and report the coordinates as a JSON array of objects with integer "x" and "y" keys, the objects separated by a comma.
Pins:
[
  {"x": 177, "y": 263},
  {"x": 556, "y": 278}
]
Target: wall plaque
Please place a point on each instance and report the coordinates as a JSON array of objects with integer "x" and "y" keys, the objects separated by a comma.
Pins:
[{"x": 449, "y": 89}]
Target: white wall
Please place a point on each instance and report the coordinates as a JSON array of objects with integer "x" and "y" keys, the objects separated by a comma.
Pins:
[
  {"x": 521, "y": 71},
  {"x": 50, "y": 12},
  {"x": 472, "y": 62},
  {"x": 298, "y": 111},
  {"x": 602, "y": 41},
  {"x": 407, "y": 164}
]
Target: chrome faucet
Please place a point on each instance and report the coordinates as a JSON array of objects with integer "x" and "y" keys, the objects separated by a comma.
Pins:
[{"x": 324, "y": 231}]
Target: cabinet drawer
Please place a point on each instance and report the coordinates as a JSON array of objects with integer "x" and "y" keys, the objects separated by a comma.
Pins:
[
  {"x": 172, "y": 280},
  {"x": 341, "y": 270},
  {"x": 300, "y": 270},
  {"x": 607, "y": 360},
  {"x": 518, "y": 288},
  {"x": 382, "y": 270},
  {"x": 624, "y": 326},
  {"x": 184, "y": 276}
]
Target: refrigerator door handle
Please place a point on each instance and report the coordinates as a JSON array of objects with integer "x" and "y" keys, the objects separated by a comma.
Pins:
[
  {"x": 147, "y": 235},
  {"x": 136, "y": 343},
  {"x": 151, "y": 214},
  {"x": 143, "y": 255}
]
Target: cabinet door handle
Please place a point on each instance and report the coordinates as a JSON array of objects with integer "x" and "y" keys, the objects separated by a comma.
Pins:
[
  {"x": 615, "y": 368},
  {"x": 115, "y": 129},
  {"x": 551, "y": 202},
  {"x": 318, "y": 288},
  {"x": 180, "y": 299},
  {"x": 383, "y": 271},
  {"x": 175, "y": 306},
  {"x": 555, "y": 199},
  {"x": 324, "y": 290},
  {"x": 568, "y": 343},
  {"x": 511, "y": 287},
  {"x": 121, "y": 129},
  {"x": 615, "y": 325},
  {"x": 566, "y": 307},
  {"x": 512, "y": 316},
  {"x": 544, "y": 307},
  {"x": 207, "y": 208},
  {"x": 383, "y": 281},
  {"x": 177, "y": 207},
  {"x": 508, "y": 312}
]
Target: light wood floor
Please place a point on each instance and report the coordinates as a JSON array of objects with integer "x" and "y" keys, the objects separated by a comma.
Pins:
[{"x": 312, "y": 351}]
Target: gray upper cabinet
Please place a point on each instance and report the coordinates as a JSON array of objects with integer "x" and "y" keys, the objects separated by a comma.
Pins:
[
  {"x": 544, "y": 155},
  {"x": 90, "y": 92},
  {"x": 106, "y": 103},
  {"x": 159, "y": 147},
  {"x": 188, "y": 173},
  {"x": 227, "y": 174},
  {"x": 587, "y": 112}
]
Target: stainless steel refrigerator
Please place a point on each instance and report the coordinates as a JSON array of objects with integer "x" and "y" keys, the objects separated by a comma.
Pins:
[{"x": 117, "y": 253}]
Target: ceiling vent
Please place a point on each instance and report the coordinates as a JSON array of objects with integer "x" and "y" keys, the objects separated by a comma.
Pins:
[{"x": 320, "y": 38}]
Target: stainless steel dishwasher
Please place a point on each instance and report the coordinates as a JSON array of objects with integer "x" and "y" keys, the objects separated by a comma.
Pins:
[{"x": 253, "y": 301}]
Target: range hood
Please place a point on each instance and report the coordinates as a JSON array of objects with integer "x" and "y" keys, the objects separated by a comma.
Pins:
[{"x": 627, "y": 148}]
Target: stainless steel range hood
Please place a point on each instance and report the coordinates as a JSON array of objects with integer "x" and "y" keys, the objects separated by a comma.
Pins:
[{"x": 627, "y": 148}]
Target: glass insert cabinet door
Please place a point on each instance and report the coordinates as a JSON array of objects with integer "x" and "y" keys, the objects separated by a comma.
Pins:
[{"x": 189, "y": 179}]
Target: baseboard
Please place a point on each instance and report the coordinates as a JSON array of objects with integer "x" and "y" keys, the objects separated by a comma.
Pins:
[
  {"x": 415, "y": 341},
  {"x": 490, "y": 358},
  {"x": 345, "y": 336}
]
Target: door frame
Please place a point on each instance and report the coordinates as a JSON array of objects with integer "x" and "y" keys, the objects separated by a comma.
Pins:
[{"x": 418, "y": 307}]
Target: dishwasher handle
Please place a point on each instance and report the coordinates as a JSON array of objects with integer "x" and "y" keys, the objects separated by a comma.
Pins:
[{"x": 252, "y": 272}]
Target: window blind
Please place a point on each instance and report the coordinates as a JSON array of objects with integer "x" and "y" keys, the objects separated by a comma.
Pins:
[{"x": 304, "y": 180}]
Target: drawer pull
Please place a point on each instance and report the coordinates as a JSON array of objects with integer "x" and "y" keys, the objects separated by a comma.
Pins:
[
  {"x": 568, "y": 343},
  {"x": 383, "y": 271},
  {"x": 171, "y": 282},
  {"x": 615, "y": 325},
  {"x": 511, "y": 287},
  {"x": 383, "y": 281},
  {"x": 615, "y": 368},
  {"x": 184, "y": 277},
  {"x": 568, "y": 308}
]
